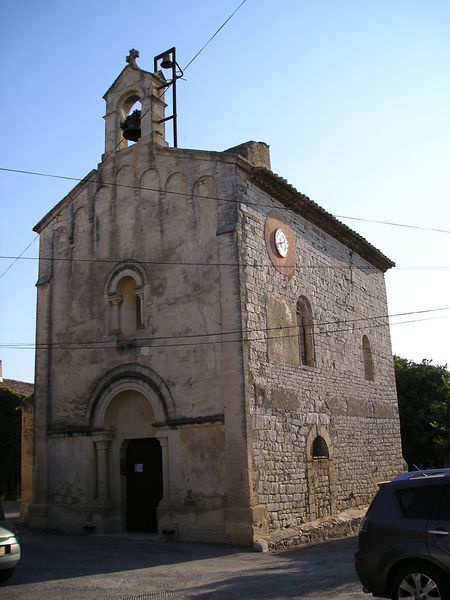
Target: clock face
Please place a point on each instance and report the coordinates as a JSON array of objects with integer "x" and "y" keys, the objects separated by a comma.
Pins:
[{"x": 281, "y": 243}]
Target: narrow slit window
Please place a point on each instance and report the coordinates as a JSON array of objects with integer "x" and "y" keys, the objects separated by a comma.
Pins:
[
  {"x": 367, "y": 359},
  {"x": 305, "y": 333}
]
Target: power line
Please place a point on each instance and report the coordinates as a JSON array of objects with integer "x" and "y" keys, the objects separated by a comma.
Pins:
[
  {"x": 16, "y": 258},
  {"x": 393, "y": 224},
  {"x": 85, "y": 179},
  {"x": 343, "y": 326},
  {"x": 139, "y": 344},
  {"x": 205, "y": 197},
  {"x": 214, "y": 35},
  {"x": 69, "y": 194},
  {"x": 173, "y": 263}
]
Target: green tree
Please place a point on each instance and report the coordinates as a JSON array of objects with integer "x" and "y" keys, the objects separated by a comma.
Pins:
[
  {"x": 423, "y": 391},
  {"x": 10, "y": 435}
]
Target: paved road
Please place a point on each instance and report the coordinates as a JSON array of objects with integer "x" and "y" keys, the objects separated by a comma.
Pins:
[{"x": 143, "y": 567}]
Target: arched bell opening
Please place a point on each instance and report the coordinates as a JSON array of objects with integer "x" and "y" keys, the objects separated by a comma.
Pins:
[{"x": 131, "y": 120}]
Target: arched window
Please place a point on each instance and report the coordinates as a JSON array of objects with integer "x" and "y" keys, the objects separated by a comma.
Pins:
[
  {"x": 367, "y": 358},
  {"x": 319, "y": 448},
  {"x": 130, "y": 307},
  {"x": 125, "y": 289},
  {"x": 305, "y": 333}
]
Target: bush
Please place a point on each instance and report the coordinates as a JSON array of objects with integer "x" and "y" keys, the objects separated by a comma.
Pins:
[{"x": 10, "y": 442}]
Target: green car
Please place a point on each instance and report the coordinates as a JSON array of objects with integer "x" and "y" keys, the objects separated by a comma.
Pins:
[{"x": 9, "y": 548}]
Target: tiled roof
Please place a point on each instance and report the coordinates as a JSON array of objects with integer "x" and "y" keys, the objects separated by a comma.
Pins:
[
  {"x": 20, "y": 387},
  {"x": 286, "y": 193}
]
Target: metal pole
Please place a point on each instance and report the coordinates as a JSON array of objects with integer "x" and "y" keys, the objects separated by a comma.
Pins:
[
  {"x": 174, "y": 100},
  {"x": 174, "y": 91}
]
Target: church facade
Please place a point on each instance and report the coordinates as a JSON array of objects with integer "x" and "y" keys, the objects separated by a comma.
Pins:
[{"x": 213, "y": 354}]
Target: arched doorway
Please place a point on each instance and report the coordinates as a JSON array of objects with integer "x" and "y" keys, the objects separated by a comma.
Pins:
[
  {"x": 144, "y": 483},
  {"x": 320, "y": 473},
  {"x": 127, "y": 409},
  {"x": 135, "y": 469}
]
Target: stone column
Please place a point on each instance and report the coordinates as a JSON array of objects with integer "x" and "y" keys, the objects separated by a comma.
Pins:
[
  {"x": 165, "y": 500},
  {"x": 102, "y": 442},
  {"x": 140, "y": 322},
  {"x": 115, "y": 302}
]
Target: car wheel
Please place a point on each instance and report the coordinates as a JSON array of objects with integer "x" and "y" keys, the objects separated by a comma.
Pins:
[
  {"x": 5, "y": 574},
  {"x": 419, "y": 581}
]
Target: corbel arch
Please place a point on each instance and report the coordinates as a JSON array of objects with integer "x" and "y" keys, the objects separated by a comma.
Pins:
[
  {"x": 205, "y": 209},
  {"x": 175, "y": 185},
  {"x": 60, "y": 239}
]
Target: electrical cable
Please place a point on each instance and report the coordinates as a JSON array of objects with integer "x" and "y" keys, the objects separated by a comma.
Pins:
[
  {"x": 205, "y": 197},
  {"x": 343, "y": 327},
  {"x": 255, "y": 265},
  {"x": 393, "y": 224},
  {"x": 19, "y": 257},
  {"x": 214, "y": 35}
]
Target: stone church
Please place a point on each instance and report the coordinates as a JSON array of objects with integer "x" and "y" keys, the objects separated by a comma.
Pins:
[{"x": 213, "y": 355}]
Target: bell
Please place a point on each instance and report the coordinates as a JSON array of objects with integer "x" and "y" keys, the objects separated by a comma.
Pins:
[
  {"x": 131, "y": 127},
  {"x": 166, "y": 62}
]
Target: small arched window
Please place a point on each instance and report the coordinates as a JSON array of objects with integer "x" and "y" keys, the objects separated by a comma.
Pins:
[
  {"x": 319, "y": 448},
  {"x": 367, "y": 358},
  {"x": 130, "y": 307},
  {"x": 305, "y": 333},
  {"x": 125, "y": 290}
]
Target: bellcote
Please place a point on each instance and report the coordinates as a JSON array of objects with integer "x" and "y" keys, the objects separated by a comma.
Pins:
[{"x": 133, "y": 89}]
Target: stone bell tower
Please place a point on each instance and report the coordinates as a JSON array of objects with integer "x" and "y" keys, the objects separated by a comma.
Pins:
[{"x": 134, "y": 85}]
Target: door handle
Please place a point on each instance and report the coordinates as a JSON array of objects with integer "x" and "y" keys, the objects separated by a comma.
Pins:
[{"x": 438, "y": 532}]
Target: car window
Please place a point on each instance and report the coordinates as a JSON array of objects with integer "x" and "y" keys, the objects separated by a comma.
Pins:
[
  {"x": 443, "y": 507},
  {"x": 416, "y": 502}
]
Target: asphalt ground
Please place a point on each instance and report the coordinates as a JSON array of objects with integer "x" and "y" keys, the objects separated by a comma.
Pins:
[{"x": 145, "y": 567}]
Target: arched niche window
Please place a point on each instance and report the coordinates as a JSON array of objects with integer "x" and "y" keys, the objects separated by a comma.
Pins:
[
  {"x": 367, "y": 358},
  {"x": 305, "y": 332},
  {"x": 125, "y": 290},
  {"x": 319, "y": 448},
  {"x": 130, "y": 309}
]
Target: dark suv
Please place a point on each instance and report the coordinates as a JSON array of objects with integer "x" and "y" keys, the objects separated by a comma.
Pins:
[{"x": 404, "y": 539}]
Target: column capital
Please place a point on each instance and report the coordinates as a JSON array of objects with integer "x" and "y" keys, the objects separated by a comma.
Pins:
[
  {"x": 102, "y": 439},
  {"x": 107, "y": 435}
]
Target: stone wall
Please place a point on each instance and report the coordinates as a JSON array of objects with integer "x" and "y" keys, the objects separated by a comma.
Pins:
[
  {"x": 236, "y": 412},
  {"x": 161, "y": 224},
  {"x": 289, "y": 404}
]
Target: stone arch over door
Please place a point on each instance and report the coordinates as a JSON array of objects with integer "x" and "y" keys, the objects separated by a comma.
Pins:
[
  {"x": 129, "y": 403},
  {"x": 320, "y": 473}
]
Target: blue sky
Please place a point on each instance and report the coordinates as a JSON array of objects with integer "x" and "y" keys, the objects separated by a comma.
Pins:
[{"x": 353, "y": 98}]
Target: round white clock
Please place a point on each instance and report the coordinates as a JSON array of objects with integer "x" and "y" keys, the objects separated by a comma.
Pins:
[{"x": 281, "y": 243}]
